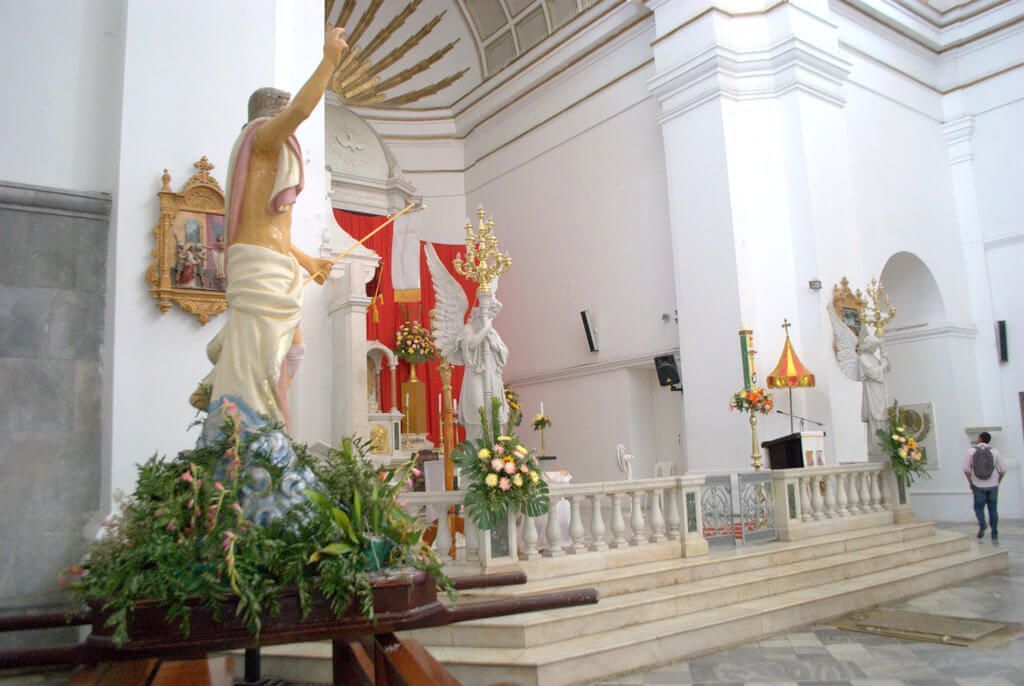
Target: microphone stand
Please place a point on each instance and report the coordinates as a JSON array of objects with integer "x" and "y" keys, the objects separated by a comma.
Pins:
[{"x": 802, "y": 420}]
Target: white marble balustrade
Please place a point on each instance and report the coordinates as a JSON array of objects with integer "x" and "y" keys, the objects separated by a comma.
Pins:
[
  {"x": 603, "y": 515},
  {"x": 815, "y": 501}
]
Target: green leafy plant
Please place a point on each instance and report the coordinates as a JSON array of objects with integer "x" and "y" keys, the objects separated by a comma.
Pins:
[
  {"x": 182, "y": 536},
  {"x": 501, "y": 474},
  {"x": 905, "y": 453}
]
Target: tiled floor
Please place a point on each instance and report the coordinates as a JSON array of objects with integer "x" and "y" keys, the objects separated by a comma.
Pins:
[{"x": 825, "y": 655}]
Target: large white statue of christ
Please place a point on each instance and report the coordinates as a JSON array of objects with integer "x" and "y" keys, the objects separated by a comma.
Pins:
[{"x": 475, "y": 344}]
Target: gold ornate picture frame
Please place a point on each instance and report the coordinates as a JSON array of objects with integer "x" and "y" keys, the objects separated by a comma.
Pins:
[
  {"x": 850, "y": 306},
  {"x": 188, "y": 260}
]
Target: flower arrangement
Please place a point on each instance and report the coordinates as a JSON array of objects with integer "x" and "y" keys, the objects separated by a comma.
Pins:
[
  {"x": 752, "y": 400},
  {"x": 414, "y": 344},
  {"x": 515, "y": 409},
  {"x": 501, "y": 475},
  {"x": 182, "y": 536},
  {"x": 541, "y": 422},
  {"x": 905, "y": 453}
]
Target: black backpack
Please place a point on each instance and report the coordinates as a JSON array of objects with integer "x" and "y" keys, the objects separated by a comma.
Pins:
[{"x": 982, "y": 463}]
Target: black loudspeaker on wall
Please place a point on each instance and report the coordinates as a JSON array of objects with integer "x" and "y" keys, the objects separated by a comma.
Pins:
[
  {"x": 668, "y": 372},
  {"x": 1004, "y": 351},
  {"x": 590, "y": 328}
]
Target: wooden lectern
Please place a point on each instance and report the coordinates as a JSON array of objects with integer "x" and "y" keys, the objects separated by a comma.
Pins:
[{"x": 801, "y": 449}]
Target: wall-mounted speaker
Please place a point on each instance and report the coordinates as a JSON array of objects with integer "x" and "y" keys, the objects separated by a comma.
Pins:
[
  {"x": 1004, "y": 350},
  {"x": 590, "y": 328},
  {"x": 668, "y": 372}
]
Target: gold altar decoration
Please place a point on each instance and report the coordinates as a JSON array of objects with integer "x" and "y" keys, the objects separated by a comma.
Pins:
[
  {"x": 483, "y": 262},
  {"x": 379, "y": 440},
  {"x": 358, "y": 80},
  {"x": 790, "y": 372},
  {"x": 881, "y": 311},
  {"x": 414, "y": 399},
  {"x": 188, "y": 260},
  {"x": 849, "y": 306}
]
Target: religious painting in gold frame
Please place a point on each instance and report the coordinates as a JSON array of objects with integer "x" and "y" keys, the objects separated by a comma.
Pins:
[
  {"x": 849, "y": 306},
  {"x": 188, "y": 260}
]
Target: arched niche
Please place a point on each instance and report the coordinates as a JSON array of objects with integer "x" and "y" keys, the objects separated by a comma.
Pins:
[
  {"x": 913, "y": 292},
  {"x": 365, "y": 176}
]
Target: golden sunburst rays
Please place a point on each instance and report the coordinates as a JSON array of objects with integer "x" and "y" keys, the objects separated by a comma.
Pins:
[{"x": 358, "y": 79}]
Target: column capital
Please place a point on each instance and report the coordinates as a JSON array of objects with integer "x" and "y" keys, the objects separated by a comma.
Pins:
[
  {"x": 958, "y": 133},
  {"x": 754, "y": 55}
]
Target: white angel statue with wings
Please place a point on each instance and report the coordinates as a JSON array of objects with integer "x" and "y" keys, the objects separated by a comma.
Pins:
[
  {"x": 863, "y": 359},
  {"x": 475, "y": 344}
]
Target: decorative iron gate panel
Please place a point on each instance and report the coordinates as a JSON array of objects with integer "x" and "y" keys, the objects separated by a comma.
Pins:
[
  {"x": 717, "y": 511},
  {"x": 757, "y": 507}
]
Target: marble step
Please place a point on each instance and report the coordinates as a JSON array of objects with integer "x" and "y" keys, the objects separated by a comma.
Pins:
[
  {"x": 617, "y": 580},
  {"x": 618, "y": 611},
  {"x": 584, "y": 659}
]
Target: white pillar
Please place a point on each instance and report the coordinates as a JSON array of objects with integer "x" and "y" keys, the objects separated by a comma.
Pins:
[
  {"x": 760, "y": 188},
  {"x": 347, "y": 315}
]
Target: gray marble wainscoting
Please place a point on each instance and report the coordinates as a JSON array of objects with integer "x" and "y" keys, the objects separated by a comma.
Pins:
[{"x": 53, "y": 252}]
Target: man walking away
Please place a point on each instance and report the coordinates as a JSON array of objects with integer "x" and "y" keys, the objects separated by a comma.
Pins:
[{"x": 984, "y": 469}]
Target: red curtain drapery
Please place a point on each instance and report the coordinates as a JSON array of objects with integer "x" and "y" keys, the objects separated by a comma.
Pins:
[{"x": 383, "y": 325}]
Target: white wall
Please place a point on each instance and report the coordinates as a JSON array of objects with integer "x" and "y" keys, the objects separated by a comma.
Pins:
[
  {"x": 188, "y": 71},
  {"x": 60, "y": 72},
  {"x": 998, "y": 149}
]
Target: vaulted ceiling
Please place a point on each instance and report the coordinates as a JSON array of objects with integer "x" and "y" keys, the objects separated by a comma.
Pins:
[{"x": 429, "y": 53}]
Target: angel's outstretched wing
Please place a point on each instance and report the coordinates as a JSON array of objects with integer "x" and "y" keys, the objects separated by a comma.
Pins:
[
  {"x": 845, "y": 343},
  {"x": 450, "y": 305}
]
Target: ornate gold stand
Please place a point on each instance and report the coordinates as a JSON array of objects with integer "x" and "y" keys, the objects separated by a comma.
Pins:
[
  {"x": 414, "y": 394},
  {"x": 755, "y": 445}
]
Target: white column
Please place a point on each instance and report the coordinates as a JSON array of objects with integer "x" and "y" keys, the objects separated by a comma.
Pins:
[
  {"x": 347, "y": 315},
  {"x": 597, "y": 528},
  {"x": 529, "y": 539},
  {"x": 636, "y": 518},
  {"x": 755, "y": 140},
  {"x": 982, "y": 405},
  {"x": 576, "y": 530},
  {"x": 618, "y": 522},
  {"x": 553, "y": 531}
]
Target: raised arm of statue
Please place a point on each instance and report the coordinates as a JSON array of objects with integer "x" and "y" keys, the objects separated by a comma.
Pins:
[
  {"x": 318, "y": 268},
  {"x": 272, "y": 136}
]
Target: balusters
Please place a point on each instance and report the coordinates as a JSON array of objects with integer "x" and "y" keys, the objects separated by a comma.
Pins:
[
  {"x": 443, "y": 541},
  {"x": 841, "y": 499},
  {"x": 576, "y": 530},
  {"x": 657, "y": 520},
  {"x": 865, "y": 492},
  {"x": 854, "y": 493},
  {"x": 553, "y": 531},
  {"x": 618, "y": 523},
  {"x": 883, "y": 491},
  {"x": 817, "y": 500},
  {"x": 636, "y": 518},
  {"x": 876, "y": 494},
  {"x": 806, "y": 511},
  {"x": 597, "y": 529},
  {"x": 830, "y": 497},
  {"x": 673, "y": 514},
  {"x": 530, "y": 551}
]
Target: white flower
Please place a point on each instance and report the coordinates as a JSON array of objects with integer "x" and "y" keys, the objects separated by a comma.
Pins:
[{"x": 491, "y": 480}]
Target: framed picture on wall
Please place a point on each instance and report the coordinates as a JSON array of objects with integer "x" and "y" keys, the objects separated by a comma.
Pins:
[
  {"x": 919, "y": 420},
  {"x": 188, "y": 260}
]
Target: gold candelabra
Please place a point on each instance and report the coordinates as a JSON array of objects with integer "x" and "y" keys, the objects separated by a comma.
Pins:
[
  {"x": 881, "y": 311},
  {"x": 483, "y": 262}
]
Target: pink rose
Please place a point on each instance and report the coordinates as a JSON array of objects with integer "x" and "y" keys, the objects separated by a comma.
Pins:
[
  {"x": 510, "y": 467},
  {"x": 499, "y": 449},
  {"x": 524, "y": 469},
  {"x": 187, "y": 476},
  {"x": 497, "y": 464},
  {"x": 217, "y": 485},
  {"x": 504, "y": 484}
]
